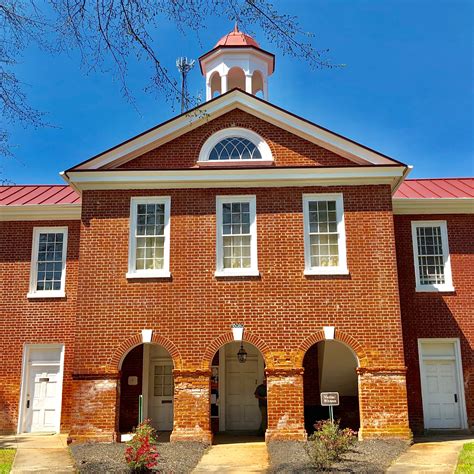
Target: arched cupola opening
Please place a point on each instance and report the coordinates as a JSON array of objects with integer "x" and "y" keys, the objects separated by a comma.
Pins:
[
  {"x": 257, "y": 83},
  {"x": 236, "y": 79},
  {"x": 215, "y": 83}
]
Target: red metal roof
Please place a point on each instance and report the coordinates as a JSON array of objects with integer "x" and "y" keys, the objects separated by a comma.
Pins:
[
  {"x": 236, "y": 38},
  {"x": 41, "y": 194},
  {"x": 436, "y": 188},
  {"x": 64, "y": 194}
]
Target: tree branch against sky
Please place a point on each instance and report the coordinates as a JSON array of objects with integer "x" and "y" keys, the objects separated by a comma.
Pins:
[{"x": 116, "y": 32}]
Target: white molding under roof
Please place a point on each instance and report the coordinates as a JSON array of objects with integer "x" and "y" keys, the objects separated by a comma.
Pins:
[
  {"x": 210, "y": 110},
  {"x": 433, "y": 206},
  {"x": 40, "y": 212},
  {"x": 234, "y": 178}
]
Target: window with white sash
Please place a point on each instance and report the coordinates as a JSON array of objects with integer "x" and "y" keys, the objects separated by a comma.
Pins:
[
  {"x": 431, "y": 256},
  {"x": 324, "y": 234},
  {"x": 236, "y": 236},
  {"x": 48, "y": 262},
  {"x": 149, "y": 255}
]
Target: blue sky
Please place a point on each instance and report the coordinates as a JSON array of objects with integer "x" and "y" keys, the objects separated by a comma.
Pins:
[{"x": 407, "y": 89}]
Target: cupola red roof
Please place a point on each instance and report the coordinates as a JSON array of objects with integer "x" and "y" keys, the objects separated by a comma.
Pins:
[{"x": 236, "y": 38}]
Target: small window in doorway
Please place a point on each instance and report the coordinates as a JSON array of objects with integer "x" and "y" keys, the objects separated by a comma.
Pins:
[{"x": 163, "y": 381}]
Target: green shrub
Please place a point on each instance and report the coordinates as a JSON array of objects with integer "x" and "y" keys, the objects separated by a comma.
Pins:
[
  {"x": 141, "y": 454},
  {"x": 326, "y": 445}
]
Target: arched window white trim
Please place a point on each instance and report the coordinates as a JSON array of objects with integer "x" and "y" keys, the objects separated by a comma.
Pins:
[{"x": 254, "y": 138}]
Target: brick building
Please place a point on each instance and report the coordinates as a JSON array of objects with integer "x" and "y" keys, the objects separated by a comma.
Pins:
[{"x": 238, "y": 228}]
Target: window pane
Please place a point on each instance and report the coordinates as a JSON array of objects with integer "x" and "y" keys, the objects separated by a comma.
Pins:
[
  {"x": 235, "y": 148},
  {"x": 323, "y": 235},
  {"x": 430, "y": 255},
  {"x": 49, "y": 266},
  {"x": 150, "y": 240}
]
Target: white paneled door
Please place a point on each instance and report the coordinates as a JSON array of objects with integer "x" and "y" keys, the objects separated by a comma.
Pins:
[
  {"x": 242, "y": 412},
  {"x": 443, "y": 400},
  {"x": 160, "y": 399},
  {"x": 42, "y": 404}
]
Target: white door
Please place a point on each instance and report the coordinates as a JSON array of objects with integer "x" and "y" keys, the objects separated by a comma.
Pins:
[
  {"x": 242, "y": 412},
  {"x": 42, "y": 399},
  {"x": 160, "y": 399},
  {"x": 442, "y": 397}
]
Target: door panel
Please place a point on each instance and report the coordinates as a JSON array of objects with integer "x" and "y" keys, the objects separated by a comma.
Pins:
[
  {"x": 441, "y": 394},
  {"x": 160, "y": 399},
  {"x": 242, "y": 412},
  {"x": 43, "y": 400}
]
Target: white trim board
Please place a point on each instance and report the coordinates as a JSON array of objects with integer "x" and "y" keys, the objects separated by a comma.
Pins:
[
  {"x": 25, "y": 377},
  {"x": 37, "y": 212},
  {"x": 459, "y": 373},
  {"x": 235, "y": 178},
  {"x": 221, "y": 105},
  {"x": 433, "y": 206}
]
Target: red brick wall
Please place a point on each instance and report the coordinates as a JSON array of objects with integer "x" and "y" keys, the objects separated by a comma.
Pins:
[
  {"x": 287, "y": 149},
  {"x": 40, "y": 321},
  {"x": 426, "y": 315}
]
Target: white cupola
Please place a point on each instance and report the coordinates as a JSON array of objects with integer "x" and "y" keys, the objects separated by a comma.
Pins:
[{"x": 237, "y": 61}]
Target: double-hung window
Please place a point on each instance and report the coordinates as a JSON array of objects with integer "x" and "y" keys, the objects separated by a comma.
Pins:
[
  {"x": 431, "y": 256},
  {"x": 48, "y": 262},
  {"x": 236, "y": 236},
  {"x": 324, "y": 234},
  {"x": 149, "y": 248}
]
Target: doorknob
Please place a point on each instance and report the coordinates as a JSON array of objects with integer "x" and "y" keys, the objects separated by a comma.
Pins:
[{"x": 455, "y": 398}]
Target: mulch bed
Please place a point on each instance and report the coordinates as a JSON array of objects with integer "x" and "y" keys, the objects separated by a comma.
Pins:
[
  {"x": 371, "y": 456},
  {"x": 94, "y": 458}
]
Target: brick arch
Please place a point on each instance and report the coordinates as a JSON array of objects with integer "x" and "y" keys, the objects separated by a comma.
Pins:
[
  {"x": 339, "y": 336},
  {"x": 223, "y": 339},
  {"x": 126, "y": 346}
]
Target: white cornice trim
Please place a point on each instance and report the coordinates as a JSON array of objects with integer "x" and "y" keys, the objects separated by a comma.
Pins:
[
  {"x": 232, "y": 178},
  {"x": 213, "y": 109},
  {"x": 40, "y": 212},
  {"x": 433, "y": 206}
]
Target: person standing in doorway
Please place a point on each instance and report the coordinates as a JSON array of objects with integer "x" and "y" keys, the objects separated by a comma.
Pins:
[{"x": 261, "y": 395}]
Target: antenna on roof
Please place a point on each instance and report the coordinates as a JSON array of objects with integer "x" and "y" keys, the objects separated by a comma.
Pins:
[{"x": 184, "y": 65}]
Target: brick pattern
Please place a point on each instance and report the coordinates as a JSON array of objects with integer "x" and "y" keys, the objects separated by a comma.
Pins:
[
  {"x": 287, "y": 149},
  {"x": 39, "y": 321},
  {"x": 432, "y": 315}
]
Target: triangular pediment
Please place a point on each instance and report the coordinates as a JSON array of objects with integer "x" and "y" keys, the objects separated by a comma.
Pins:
[{"x": 233, "y": 106}]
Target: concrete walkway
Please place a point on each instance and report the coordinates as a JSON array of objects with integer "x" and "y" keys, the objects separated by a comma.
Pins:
[
  {"x": 431, "y": 455},
  {"x": 235, "y": 458},
  {"x": 39, "y": 453}
]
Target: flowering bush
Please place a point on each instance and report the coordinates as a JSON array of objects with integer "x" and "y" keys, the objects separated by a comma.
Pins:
[
  {"x": 326, "y": 445},
  {"x": 141, "y": 454}
]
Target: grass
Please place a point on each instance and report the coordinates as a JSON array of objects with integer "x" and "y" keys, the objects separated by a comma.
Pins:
[
  {"x": 466, "y": 460},
  {"x": 6, "y": 460}
]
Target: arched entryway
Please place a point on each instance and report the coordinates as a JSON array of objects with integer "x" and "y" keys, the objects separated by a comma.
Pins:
[
  {"x": 234, "y": 408},
  {"x": 146, "y": 370},
  {"x": 330, "y": 366}
]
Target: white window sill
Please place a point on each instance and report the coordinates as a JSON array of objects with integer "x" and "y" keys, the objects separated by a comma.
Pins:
[
  {"x": 434, "y": 289},
  {"x": 327, "y": 271},
  {"x": 46, "y": 294},
  {"x": 239, "y": 273},
  {"x": 232, "y": 163},
  {"x": 152, "y": 274}
]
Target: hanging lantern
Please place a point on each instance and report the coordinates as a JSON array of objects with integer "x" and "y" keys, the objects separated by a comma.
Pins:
[{"x": 242, "y": 354}]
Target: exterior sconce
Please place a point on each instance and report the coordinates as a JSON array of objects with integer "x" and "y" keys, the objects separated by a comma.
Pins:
[
  {"x": 146, "y": 335},
  {"x": 238, "y": 331},
  {"x": 329, "y": 332},
  {"x": 242, "y": 354}
]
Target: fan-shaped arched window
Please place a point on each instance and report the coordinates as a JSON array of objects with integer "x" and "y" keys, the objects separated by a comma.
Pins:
[
  {"x": 235, "y": 145},
  {"x": 235, "y": 148}
]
